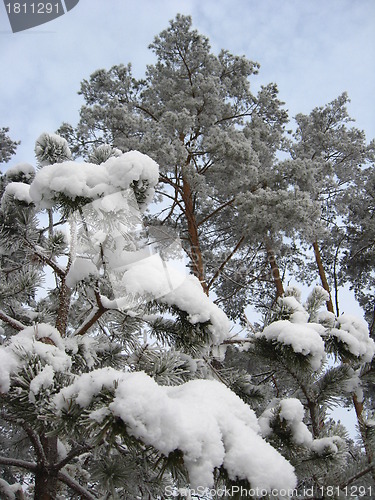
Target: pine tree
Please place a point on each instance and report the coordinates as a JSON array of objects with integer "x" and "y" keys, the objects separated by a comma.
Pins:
[
  {"x": 107, "y": 375},
  {"x": 303, "y": 363},
  {"x": 7, "y": 145},
  {"x": 215, "y": 141}
]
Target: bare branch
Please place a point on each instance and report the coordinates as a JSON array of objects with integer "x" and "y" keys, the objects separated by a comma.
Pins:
[
  {"x": 23, "y": 464},
  {"x": 357, "y": 476},
  {"x": 218, "y": 272},
  {"x": 93, "y": 318},
  {"x": 75, "y": 452},
  {"x": 34, "y": 438},
  {"x": 226, "y": 204}
]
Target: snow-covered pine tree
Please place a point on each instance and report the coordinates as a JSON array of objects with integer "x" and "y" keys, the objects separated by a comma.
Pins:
[
  {"x": 328, "y": 155},
  {"x": 306, "y": 362},
  {"x": 195, "y": 113},
  {"x": 107, "y": 378}
]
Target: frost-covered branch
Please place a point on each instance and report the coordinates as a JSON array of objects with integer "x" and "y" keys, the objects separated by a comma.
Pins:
[
  {"x": 357, "y": 476},
  {"x": 75, "y": 452},
  {"x": 142, "y": 108},
  {"x": 17, "y": 325},
  {"x": 46, "y": 260},
  {"x": 75, "y": 486},
  {"x": 225, "y": 262},
  {"x": 209, "y": 216}
]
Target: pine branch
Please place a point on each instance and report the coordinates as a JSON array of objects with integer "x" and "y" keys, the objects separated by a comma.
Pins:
[
  {"x": 34, "y": 438},
  {"x": 75, "y": 486},
  {"x": 17, "y": 325},
  {"x": 76, "y": 452},
  {"x": 225, "y": 262},
  {"x": 224, "y": 205},
  {"x": 23, "y": 464},
  {"x": 146, "y": 111},
  {"x": 357, "y": 476},
  {"x": 94, "y": 317},
  {"x": 46, "y": 260}
]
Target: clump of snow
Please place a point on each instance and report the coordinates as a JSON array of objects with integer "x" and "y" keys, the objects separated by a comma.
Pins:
[
  {"x": 62, "y": 451},
  {"x": 354, "y": 385},
  {"x": 87, "y": 386},
  {"x": 43, "y": 380},
  {"x": 9, "y": 490},
  {"x": 20, "y": 171},
  {"x": 353, "y": 333},
  {"x": 303, "y": 338},
  {"x": 80, "y": 270},
  {"x": 153, "y": 278},
  {"x": 298, "y": 313},
  {"x": 99, "y": 415},
  {"x": 55, "y": 354},
  {"x": 326, "y": 445},
  {"x": 18, "y": 191},
  {"x": 41, "y": 340},
  {"x": 87, "y": 346},
  {"x": 88, "y": 180},
  {"x": 190, "y": 297},
  {"x": 292, "y": 412},
  {"x": 203, "y": 419},
  {"x": 326, "y": 318},
  {"x": 43, "y": 331}
]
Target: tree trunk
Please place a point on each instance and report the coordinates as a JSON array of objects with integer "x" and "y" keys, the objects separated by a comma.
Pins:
[
  {"x": 195, "y": 249},
  {"x": 358, "y": 406},
  {"x": 64, "y": 306},
  {"x": 322, "y": 274},
  {"x": 275, "y": 270},
  {"x": 45, "y": 474}
]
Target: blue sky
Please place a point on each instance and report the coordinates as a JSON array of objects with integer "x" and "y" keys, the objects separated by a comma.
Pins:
[{"x": 314, "y": 50}]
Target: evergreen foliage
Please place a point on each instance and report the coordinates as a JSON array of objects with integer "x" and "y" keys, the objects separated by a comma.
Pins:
[{"x": 120, "y": 377}]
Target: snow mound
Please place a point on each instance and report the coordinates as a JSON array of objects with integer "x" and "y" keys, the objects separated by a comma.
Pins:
[
  {"x": 79, "y": 270},
  {"x": 190, "y": 297},
  {"x": 20, "y": 170},
  {"x": 203, "y": 419},
  {"x": 326, "y": 445},
  {"x": 8, "y": 366},
  {"x": 18, "y": 191},
  {"x": 88, "y": 180},
  {"x": 42, "y": 341},
  {"x": 303, "y": 338},
  {"x": 353, "y": 332}
]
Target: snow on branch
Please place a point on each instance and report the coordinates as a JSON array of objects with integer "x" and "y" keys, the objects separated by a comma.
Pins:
[
  {"x": 203, "y": 419},
  {"x": 90, "y": 181},
  {"x": 17, "y": 325}
]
